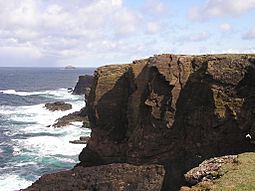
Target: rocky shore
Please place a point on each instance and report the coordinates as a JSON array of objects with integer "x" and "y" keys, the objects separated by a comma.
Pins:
[{"x": 160, "y": 117}]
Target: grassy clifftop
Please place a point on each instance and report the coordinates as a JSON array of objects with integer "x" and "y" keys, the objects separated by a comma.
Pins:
[{"x": 238, "y": 176}]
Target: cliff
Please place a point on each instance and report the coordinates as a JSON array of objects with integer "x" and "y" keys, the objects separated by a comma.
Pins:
[
  {"x": 171, "y": 110},
  {"x": 83, "y": 83}
]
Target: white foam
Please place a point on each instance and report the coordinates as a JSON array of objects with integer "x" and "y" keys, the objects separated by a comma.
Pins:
[
  {"x": 42, "y": 142},
  {"x": 61, "y": 93},
  {"x": 37, "y": 113},
  {"x": 13, "y": 182},
  {"x": 20, "y": 93},
  {"x": 57, "y": 144}
]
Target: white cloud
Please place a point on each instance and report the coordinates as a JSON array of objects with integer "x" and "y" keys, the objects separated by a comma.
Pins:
[
  {"x": 153, "y": 27},
  {"x": 250, "y": 34},
  {"x": 117, "y": 3},
  {"x": 125, "y": 22},
  {"x": 203, "y": 36},
  {"x": 16, "y": 13},
  {"x": 60, "y": 30},
  {"x": 225, "y": 27},
  {"x": 155, "y": 7},
  {"x": 55, "y": 17},
  {"x": 220, "y": 8},
  {"x": 25, "y": 51}
]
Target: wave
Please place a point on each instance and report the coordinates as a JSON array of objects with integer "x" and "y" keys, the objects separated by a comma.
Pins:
[
  {"x": 35, "y": 113},
  {"x": 61, "y": 93},
  {"x": 33, "y": 147},
  {"x": 13, "y": 182},
  {"x": 20, "y": 93}
]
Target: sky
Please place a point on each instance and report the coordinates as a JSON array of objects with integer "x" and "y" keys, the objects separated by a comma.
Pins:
[{"x": 91, "y": 33}]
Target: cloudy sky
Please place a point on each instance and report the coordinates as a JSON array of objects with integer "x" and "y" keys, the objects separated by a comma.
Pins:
[{"x": 89, "y": 33}]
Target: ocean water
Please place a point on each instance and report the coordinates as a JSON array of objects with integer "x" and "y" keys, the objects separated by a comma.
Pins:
[{"x": 28, "y": 148}]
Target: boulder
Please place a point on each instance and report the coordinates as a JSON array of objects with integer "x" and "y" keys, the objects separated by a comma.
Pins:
[
  {"x": 208, "y": 170},
  {"x": 58, "y": 106}
]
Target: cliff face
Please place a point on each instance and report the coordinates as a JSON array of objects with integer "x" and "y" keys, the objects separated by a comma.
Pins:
[
  {"x": 171, "y": 110},
  {"x": 83, "y": 83}
]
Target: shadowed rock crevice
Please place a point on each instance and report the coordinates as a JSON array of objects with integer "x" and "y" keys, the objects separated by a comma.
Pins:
[{"x": 203, "y": 132}]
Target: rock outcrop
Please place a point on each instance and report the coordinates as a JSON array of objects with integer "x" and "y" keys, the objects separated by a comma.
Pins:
[
  {"x": 114, "y": 177},
  {"x": 208, "y": 170},
  {"x": 83, "y": 83},
  {"x": 170, "y": 110},
  {"x": 77, "y": 116},
  {"x": 82, "y": 140},
  {"x": 58, "y": 106}
]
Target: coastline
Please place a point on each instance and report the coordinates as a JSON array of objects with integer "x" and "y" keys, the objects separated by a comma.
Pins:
[{"x": 174, "y": 111}]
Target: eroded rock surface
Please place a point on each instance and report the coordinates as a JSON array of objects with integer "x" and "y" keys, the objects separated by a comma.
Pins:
[
  {"x": 174, "y": 110},
  {"x": 113, "y": 177}
]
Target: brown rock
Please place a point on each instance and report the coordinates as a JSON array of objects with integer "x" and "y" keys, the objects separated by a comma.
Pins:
[
  {"x": 82, "y": 140},
  {"x": 113, "y": 177},
  {"x": 77, "y": 116},
  {"x": 58, "y": 106},
  {"x": 174, "y": 110},
  {"x": 83, "y": 83},
  {"x": 68, "y": 119},
  {"x": 208, "y": 169}
]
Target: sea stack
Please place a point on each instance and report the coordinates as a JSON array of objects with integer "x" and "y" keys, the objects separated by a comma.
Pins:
[
  {"x": 83, "y": 84},
  {"x": 69, "y": 67}
]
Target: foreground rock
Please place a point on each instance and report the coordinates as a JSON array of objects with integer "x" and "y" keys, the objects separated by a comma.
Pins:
[
  {"x": 114, "y": 177},
  {"x": 83, "y": 83},
  {"x": 58, "y": 106}
]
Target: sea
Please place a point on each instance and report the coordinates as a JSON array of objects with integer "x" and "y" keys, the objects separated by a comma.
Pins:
[{"x": 28, "y": 147}]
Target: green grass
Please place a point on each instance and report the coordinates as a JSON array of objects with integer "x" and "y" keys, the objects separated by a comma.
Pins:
[{"x": 237, "y": 177}]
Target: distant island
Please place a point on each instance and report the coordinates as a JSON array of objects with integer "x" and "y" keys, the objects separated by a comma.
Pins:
[{"x": 69, "y": 67}]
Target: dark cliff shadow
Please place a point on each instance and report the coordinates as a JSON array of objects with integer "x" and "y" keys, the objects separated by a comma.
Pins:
[
  {"x": 246, "y": 90},
  {"x": 108, "y": 120},
  {"x": 204, "y": 134}
]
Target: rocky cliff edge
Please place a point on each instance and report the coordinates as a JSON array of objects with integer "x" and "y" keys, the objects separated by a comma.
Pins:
[{"x": 171, "y": 110}]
